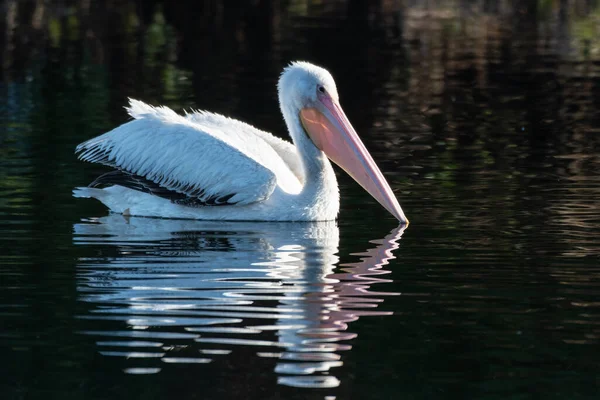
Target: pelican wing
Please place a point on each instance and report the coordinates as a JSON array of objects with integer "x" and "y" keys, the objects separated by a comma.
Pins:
[
  {"x": 214, "y": 163},
  {"x": 286, "y": 150}
]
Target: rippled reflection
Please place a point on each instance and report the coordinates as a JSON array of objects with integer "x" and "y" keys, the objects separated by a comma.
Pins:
[{"x": 191, "y": 291}]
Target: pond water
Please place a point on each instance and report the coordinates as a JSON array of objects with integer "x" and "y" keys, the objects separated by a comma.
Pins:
[{"x": 484, "y": 118}]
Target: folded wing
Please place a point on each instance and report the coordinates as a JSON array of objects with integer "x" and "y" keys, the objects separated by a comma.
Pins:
[{"x": 214, "y": 163}]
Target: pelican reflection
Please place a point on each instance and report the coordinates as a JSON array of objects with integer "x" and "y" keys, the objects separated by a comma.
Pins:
[{"x": 178, "y": 291}]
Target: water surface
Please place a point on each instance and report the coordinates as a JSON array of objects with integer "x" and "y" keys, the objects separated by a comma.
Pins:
[{"x": 485, "y": 120}]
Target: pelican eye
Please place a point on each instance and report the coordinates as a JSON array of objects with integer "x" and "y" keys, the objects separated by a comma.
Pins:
[{"x": 321, "y": 89}]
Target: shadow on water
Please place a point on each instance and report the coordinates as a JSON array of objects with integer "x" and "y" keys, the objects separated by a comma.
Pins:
[{"x": 185, "y": 292}]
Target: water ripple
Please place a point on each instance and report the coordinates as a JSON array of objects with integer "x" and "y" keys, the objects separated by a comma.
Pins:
[{"x": 171, "y": 291}]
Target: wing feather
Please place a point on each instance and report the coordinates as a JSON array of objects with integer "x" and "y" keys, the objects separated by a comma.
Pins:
[
  {"x": 206, "y": 161},
  {"x": 286, "y": 150}
]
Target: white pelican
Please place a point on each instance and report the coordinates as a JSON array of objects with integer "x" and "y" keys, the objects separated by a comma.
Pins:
[{"x": 210, "y": 167}]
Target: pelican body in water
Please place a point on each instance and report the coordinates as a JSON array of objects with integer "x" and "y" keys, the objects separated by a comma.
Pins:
[{"x": 206, "y": 166}]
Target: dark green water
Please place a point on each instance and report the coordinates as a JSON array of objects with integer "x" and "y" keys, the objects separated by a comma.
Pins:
[{"x": 485, "y": 121}]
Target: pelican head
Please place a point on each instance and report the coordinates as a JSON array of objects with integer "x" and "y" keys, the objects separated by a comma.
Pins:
[{"x": 310, "y": 104}]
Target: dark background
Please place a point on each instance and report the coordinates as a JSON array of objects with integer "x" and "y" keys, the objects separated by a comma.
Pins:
[{"x": 483, "y": 115}]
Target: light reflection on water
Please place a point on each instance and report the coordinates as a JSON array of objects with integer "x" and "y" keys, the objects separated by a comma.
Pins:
[{"x": 191, "y": 291}]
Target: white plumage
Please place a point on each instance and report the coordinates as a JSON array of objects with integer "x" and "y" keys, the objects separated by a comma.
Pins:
[
  {"x": 207, "y": 166},
  {"x": 187, "y": 154}
]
